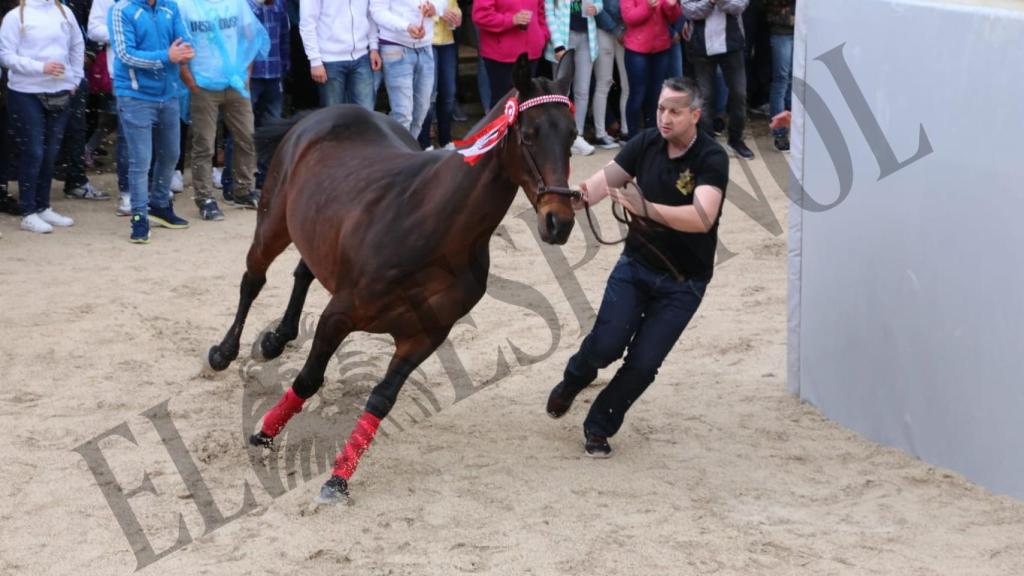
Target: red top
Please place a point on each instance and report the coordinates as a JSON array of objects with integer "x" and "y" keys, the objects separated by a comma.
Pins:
[
  {"x": 503, "y": 41},
  {"x": 647, "y": 27}
]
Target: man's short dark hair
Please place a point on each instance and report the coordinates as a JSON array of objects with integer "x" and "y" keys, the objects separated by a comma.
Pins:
[{"x": 688, "y": 87}]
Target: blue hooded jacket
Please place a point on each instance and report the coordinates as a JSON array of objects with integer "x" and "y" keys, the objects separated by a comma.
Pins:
[{"x": 140, "y": 35}]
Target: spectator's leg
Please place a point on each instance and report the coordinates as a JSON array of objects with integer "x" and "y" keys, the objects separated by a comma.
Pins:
[
  {"x": 27, "y": 121},
  {"x": 137, "y": 120},
  {"x": 72, "y": 153},
  {"x": 361, "y": 83},
  {"x": 736, "y": 79},
  {"x": 238, "y": 119},
  {"x": 704, "y": 73},
  {"x": 581, "y": 79},
  {"x": 447, "y": 75},
  {"x": 399, "y": 75},
  {"x": 637, "y": 70},
  {"x": 166, "y": 138},
  {"x": 603, "y": 80},
  {"x": 423, "y": 85},
  {"x": 782, "y": 76},
  {"x": 500, "y": 76},
  {"x": 204, "y": 108},
  {"x": 620, "y": 64}
]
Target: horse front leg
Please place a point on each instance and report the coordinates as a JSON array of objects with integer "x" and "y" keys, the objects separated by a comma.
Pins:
[{"x": 409, "y": 354}]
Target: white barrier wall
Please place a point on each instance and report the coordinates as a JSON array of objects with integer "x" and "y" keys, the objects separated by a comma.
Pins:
[{"x": 907, "y": 297}]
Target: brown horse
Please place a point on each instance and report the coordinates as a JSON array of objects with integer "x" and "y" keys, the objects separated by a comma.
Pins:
[{"x": 399, "y": 237}]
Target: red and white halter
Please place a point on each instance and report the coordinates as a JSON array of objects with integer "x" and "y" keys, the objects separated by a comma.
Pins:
[{"x": 474, "y": 146}]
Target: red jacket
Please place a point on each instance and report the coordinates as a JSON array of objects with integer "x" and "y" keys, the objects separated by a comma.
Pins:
[
  {"x": 646, "y": 27},
  {"x": 503, "y": 41}
]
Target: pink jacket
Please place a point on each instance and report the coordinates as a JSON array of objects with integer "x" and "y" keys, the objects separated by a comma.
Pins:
[
  {"x": 646, "y": 27},
  {"x": 503, "y": 41}
]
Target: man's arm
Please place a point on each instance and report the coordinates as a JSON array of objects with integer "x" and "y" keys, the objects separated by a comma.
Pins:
[
  {"x": 698, "y": 217},
  {"x": 97, "y": 25},
  {"x": 698, "y": 9},
  {"x": 598, "y": 186},
  {"x": 124, "y": 43},
  {"x": 309, "y": 15}
]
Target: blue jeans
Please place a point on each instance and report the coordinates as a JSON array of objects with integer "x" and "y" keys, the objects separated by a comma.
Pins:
[
  {"x": 780, "y": 95},
  {"x": 37, "y": 136},
  {"x": 483, "y": 84},
  {"x": 446, "y": 59},
  {"x": 409, "y": 77},
  {"x": 646, "y": 73},
  {"x": 267, "y": 98},
  {"x": 348, "y": 82},
  {"x": 643, "y": 309},
  {"x": 150, "y": 128}
]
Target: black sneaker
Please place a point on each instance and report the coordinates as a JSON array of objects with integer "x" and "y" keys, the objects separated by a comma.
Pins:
[
  {"x": 782, "y": 143},
  {"x": 250, "y": 201},
  {"x": 718, "y": 125},
  {"x": 166, "y": 218},
  {"x": 741, "y": 150},
  {"x": 561, "y": 399},
  {"x": 210, "y": 211},
  {"x": 140, "y": 229},
  {"x": 596, "y": 446}
]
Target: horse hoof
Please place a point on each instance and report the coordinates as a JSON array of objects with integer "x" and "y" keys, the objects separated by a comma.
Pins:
[
  {"x": 334, "y": 491},
  {"x": 271, "y": 346},
  {"x": 262, "y": 440},
  {"x": 217, "y": 361}
]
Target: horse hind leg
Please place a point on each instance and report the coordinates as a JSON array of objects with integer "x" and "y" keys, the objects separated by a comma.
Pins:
[
  {"x": 274, "y": 341},
  {"x": 270, "y": 240}
]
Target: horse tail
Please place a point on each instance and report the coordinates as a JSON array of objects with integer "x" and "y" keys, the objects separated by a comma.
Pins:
[{"x": 269, "y": 136}]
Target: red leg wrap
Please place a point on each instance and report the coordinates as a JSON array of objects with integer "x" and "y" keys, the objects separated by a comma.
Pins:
[
  {"x": 289, "y": 405},
  {"x": 357, "y": 445}
]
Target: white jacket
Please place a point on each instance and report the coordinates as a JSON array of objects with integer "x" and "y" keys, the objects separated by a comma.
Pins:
[
  {"x": 97, "y": 28},
  {"x": 394, "y": 17},
  {"x": 336, "y": 30},
  {"x": 45, "y": 36}
]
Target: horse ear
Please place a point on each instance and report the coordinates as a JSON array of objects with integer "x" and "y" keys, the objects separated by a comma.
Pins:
[
  {"x": 566, "y": 70},
  {"x": 521, "y": 75}
]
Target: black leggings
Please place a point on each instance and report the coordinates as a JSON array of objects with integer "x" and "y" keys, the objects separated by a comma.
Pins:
[{"x": 499, "y": 74}]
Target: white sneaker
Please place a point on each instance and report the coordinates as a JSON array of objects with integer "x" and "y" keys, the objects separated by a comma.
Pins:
[
  {"x": 581, "y": 147},
  {"x": 428, "y": 148},
  {"x": 215, "y": 177},
  {"x": 124, "y": 205},
  {"x": 177, "y": 182},
  {"x": 54, "y": 219},
  {"x": 33, "y": 223},
  {"x": 450, "y": 146}
]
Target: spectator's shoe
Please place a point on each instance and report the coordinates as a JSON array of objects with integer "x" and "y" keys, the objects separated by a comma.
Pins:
[
  {"x": 560, "y": 399},
  {"x": 581, "y": 147},
  {"x": 8, "y": 205},
  {"x": 210, "y": 211},
  {"x": 450, "y": 146},
  {"x": 86, "y": 192},
  {"x": 166, "y": 218},
  {"x": 605, "y": 143},
  {"x": 140, "y": 229},
  {"x": 33, "y": 223},
  {"x": 216, "y": 176},
  {"x": 458, "y": 115},
  {"x": 54, "y": 219},
  {"x": 596, "y": 446},
  {"x": 762, "y": 110},
  {"x": 124, "y": 205},
  {"x": 177, "y": 182},
  {"x": 718, "y": 125},
  {"x": 250, "y": 201},
  {"x": 782, "y": 143},
  {"x": 623, "y": 138},
  {"x": 741, "y": 150}
]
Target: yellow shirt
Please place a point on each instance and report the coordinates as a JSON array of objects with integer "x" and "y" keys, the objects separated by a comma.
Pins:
[{"x": 442, "y": 31}]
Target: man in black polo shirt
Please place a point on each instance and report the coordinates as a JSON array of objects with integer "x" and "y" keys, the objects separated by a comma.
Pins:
[{"x": 659, "y": 281}]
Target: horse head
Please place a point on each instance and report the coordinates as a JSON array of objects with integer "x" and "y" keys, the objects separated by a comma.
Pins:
[{"x": 540, "y": 141}]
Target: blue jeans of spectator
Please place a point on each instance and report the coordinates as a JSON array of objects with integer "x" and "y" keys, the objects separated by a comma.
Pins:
[
  {"x": 150, "y": 129},
  {"x": 645, "y": 310},
  {"x": 780, "y": 95},
  {"x": 483, "y": 84},
  {"x": 646, "y": 73},
  {"x": 37, "y": 136},
  {"x": 72, "y": 152},
  {"x": 348, "y": 82},
  {"x": 675, "y": 61},
  {"x": 446, "y": 64},
  {"x": 734, "y": 69},
  {"x": 409, "y": 77},
  {"x": 122, "y": 159},
  {"x": 267, "y": 97}
]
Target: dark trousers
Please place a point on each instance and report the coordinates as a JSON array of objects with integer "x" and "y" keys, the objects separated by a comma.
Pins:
[
  {"x": 645, "y": 310},
  {"x": 646, "y": 73},
  {"x": 72, "y": 151},
  {"x": 500, "y": 76},
  {"x": 446, "y": 69},
  {"x": 37, "y": 136},
  {"x": 735, "y": 79}
]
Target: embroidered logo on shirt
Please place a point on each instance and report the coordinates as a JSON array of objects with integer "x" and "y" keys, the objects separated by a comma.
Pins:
[{"x": 685, "y": 184}]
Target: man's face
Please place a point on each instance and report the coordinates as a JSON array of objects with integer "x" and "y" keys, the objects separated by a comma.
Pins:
[{"x": 676, "y": 121}]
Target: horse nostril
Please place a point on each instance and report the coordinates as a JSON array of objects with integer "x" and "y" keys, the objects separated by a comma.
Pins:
[{"x": 552, "y": 222}]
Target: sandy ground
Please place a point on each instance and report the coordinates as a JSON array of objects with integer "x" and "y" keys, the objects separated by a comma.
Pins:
[{"x": 717, "y": 471}]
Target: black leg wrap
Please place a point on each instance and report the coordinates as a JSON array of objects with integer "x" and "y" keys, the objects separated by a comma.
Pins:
[{"x": 378, "y": 405}]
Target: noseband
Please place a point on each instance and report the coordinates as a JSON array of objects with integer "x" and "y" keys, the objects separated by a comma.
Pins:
[{"x": 542, "y": 188}]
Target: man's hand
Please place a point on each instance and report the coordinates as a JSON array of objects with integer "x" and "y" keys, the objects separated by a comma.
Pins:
[
  {"x": 416, "y": 31},
  {"x": 319, "y": 74},
  {"x": 180, "y": 51},
  {"x": 375, "y": 62},
  {"x": 53, "y": 69},
  {"x": 781, "y": 120},
  {"x": 630, "y": 199}
]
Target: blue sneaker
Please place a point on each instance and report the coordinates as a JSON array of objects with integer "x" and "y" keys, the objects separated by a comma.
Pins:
[
  {"x": 210, "y": 211},
  {"x": 250, "y": 200},
  {"x": 166, "y": 218},
  {"x": 140, "y": 229}
]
